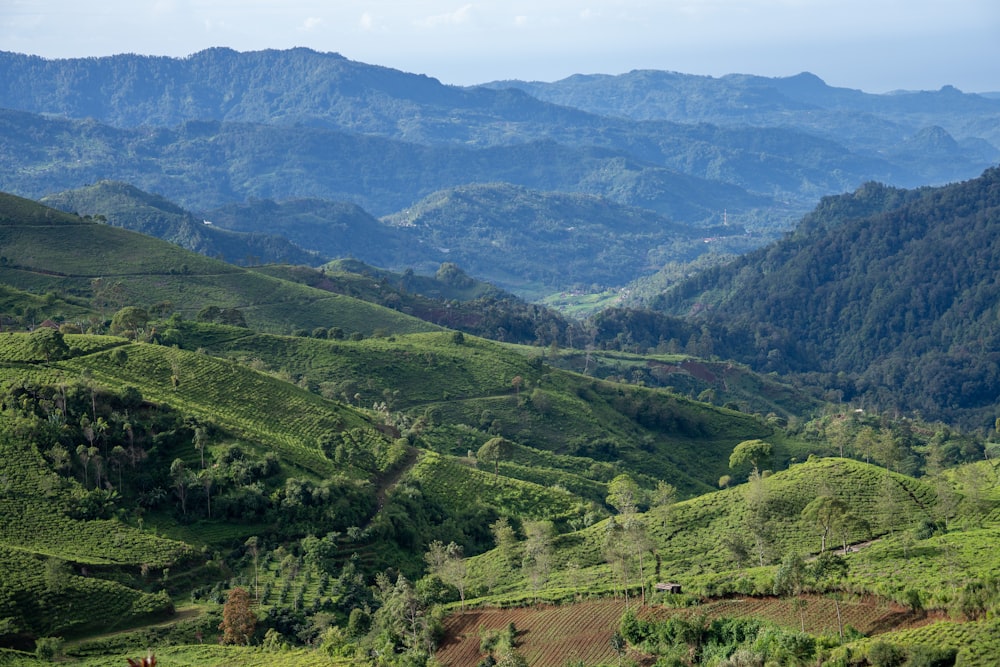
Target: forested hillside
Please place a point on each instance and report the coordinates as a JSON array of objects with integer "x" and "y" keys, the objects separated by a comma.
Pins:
[
  {"x": 223, "y": 135},
  {"x": 890, "y": 294},
  {"x": 123, "y": 205},
  {"x": 930, "y": 131},
  {"x": 219, "y": 90}
]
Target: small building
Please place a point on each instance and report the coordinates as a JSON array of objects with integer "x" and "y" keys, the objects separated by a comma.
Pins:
[{"x": 668, "y": 587}]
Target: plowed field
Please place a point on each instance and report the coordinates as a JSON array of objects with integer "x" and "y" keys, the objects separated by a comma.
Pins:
[{"x": 549, "y": 636}]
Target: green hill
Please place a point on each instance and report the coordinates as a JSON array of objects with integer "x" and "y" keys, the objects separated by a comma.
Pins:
[
  {"x": 122, "y": 205},
  {"x": 549, "y": 240},
  {"x": 335, "y": 229},
  {"x": 891, "y": 289},
  {"x": 449, "y": 298},
  {"x": 349, "y": 476},
  {"x": 50, "y": 251}
]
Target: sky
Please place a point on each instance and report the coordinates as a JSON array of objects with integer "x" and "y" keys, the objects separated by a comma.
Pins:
[{"x": 872, "y": 45}]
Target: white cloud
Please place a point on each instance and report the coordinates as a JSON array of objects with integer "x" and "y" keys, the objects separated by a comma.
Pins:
[
  {"x": 311, "y": 23},
  {"x": 366, "y": 22},
  {"x": 461, "y": 15}
]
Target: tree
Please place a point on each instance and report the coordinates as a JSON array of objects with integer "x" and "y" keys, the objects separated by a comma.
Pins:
[
  {"x": 757, "y": 518},
  {"x": 48, "y": 343},
  {"x": 207, "y": 478},
  {"x": 493, "y": 450},
  {"x": 47, "y": 648},
  {"x": 790, "y": 580},
  {"x": 664, "y": 498},
  {"x": 505, "y": 540},
  {"x": 238, "y": 618},
  {"x": 750, "y": 451},
  {"x": 130, "y": 318},
  {"x": 253, "y": 546},
  {"x": 623, "y": 494},
  {"x": 864, "y": 442},
  {"x": 828, "y": 571},
  {"x": 616, "y": 553},
  {"x": 538, "y": 552},
  {"x": 200, "y": 442},
  {"x": 618, "y": 645},
  {"x": 889, "y": 449},
  {"x": 402, "y": 622},
  {"x": 181, "y": 478},
  {"x": 447, "y": 563},
  {"x": 822, "y": 513}
]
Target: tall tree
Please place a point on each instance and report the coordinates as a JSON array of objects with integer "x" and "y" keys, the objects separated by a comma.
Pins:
[
  {"x": 822, "y": 514},
  {"x": 790, "y": 580},
  {"x": 829, "y": 571},
  {"x": 181, "y": 478},
  {"x": 131, "y": 319},
  {"x": 446, "y": 562},
  {"x": 493, "y": 450},
  {"x": 238, "y": 618},
  {"x": 505, "y": 540},
  {"x": 48, "y": 344},
  {"x": 750, "y": 451},
  {"x": 538, "y": 552},
  {"x": 623, "y": 495},
  {"x": 757, "y": 517}
]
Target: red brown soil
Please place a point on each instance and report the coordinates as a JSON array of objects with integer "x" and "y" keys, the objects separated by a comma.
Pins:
[{"x": 550, "y": 636}]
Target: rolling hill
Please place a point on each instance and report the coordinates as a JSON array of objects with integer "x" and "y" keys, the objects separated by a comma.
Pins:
[
  {"x": 230, "y": 94},
  {"x": 174, "y": 428},
  {"x": 899, "y": 124},
  {"x": 893, "y": 288},
  {"x": 122, "y": 205},
  {"x": 50, "y": 251}
]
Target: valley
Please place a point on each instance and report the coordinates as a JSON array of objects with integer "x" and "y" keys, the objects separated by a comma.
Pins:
[{"x": 278, "y": 387}]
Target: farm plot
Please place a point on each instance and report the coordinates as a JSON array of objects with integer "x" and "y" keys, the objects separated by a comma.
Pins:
[
  {"x": 547, "y": 636},
  {"x": 551, "y": 636},
  {"x": 818, "y": 613}
]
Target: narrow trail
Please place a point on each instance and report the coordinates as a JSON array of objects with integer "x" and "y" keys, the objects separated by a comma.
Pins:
[
  {"x": 181, "y": 614},
  {"x": 387, "y": 482}
]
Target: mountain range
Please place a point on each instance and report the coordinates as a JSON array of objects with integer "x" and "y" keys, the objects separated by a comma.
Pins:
[{"x": 221, "y": 129}]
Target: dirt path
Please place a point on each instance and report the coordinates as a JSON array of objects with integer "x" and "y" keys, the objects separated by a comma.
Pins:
[
  {"x": 387, "y": 482},
  {"x": 180, "y": 614}
]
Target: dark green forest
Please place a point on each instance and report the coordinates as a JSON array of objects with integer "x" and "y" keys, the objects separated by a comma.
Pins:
[{"x": 883, "y": 295}]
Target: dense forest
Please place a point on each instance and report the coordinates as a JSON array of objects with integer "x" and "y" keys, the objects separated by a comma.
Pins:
[{"x": 887, "y": 293}]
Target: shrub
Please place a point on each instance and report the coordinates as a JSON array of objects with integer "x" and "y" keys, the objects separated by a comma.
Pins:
[
  {"x": 883, "y": 654},
  {"x": 47, "y": 648}
]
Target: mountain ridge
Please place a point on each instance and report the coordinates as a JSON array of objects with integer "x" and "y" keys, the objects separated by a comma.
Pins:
[{"x": 894, "y": 288}]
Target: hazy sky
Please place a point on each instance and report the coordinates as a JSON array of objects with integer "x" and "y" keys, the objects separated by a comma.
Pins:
[{"x": 875, "y": 45}]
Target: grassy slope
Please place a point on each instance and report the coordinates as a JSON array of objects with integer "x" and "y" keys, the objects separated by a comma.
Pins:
[
  {"x": 42, "y": 549},
  {"x": 51, "y": 251},
  {"x": 255, "y": 405},
  {"x": 689, "y": 536},
  {"x": 472, "y": 383},
  {"x": 53, "y": 567}
]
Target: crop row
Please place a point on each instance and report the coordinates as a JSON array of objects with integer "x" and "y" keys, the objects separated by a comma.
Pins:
[
  {"x": 47, "y": 597},
  {"x": 261, "y": 408},
  {"x": 456, "y": 485},
  {"x": 978, "y": 643},
  {"x": 548, "y": 636},
  {"x": 34, "y": 503}
]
